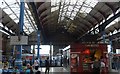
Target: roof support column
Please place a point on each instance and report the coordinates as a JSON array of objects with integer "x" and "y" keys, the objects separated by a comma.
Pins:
[
  {"x": 33, "y": 59},
  {"x": 38, "y": 44},
  {"x": 111, "y": 44},
  {"x": 103, "y": 35},
  {"x": 50, "y": 53},
  {"x": 18, "y": 61}
]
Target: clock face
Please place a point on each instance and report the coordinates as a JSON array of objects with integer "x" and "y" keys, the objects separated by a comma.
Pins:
[{"x": 73, "y": 55}]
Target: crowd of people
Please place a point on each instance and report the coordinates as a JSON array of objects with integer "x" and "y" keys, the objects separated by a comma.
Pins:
[
  {"x": 116, "y": 62},
  {"x": 28, "y": 68}
]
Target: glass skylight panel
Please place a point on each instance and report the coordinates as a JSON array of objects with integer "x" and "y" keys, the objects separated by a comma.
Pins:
[
  {"x": 14, "y": 13},
  {"x": 54, "y": 8},
  {"x": 73, "y": 14},
  {"x": 54, "y": 5},
  {"x": 14, "y": 5},
  {"x": 3, "y": 32},
  {"x": 115, "y": 31},
  {"x": 1, "y": 3},
  {"x": 113, "y": 22},
  {"x": 53, "y": 2},
  {"x": 1, "y": 24},
  {"x": 68, "y": 14},
  {"x": 26, "y": 23},
  {"x": 6, "y": 28},
  {"x": 76, "y": 9},
  {"x": 28, "y": 12},
  {"x": 16, "y": 20},
  {"x": 26, "y": 6},
  {"x": 73, "y": 8},
  {"x": 73, "y": 1},
  {"x": 13, "y": 17},
  {"x": 83, "y": 9},
  {"x": 8, "y": 11},
  {"x": 26, "y": 31},
  {"x": 31, "y": 29},
  {"x": 80, "y": 2},
  {"x": 24, "y": 27},
  {"x": 70, "y": 8},
  {"x": 87, "y": 10}
]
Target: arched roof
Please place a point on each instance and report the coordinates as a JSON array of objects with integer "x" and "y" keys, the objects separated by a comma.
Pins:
[{"x": 63, "y": 21}]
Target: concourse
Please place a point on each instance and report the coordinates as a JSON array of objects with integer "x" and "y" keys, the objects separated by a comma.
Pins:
[{"x": 59, "y": 36}]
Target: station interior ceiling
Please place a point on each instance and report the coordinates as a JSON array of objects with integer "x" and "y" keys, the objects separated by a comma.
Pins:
[{"x": 62, "y": 22}]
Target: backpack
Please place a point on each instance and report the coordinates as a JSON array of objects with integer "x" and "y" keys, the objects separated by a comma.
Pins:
[{"x": 97, "y": 64}]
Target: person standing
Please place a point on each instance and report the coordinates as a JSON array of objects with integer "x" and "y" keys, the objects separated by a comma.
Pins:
[
  {"x": 119, "y": 65},
  {"x": 28, "y": 69},
  {"x": 47, "y": 64},
  {"x": 96, "y": 66},
  {"x": 36, "y": 64},
  {"x": 115, "y": 62},
  {"x": 5, "y": 70}
]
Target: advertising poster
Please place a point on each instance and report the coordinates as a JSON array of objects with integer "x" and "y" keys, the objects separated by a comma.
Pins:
[{"x": 74, "y": 62}]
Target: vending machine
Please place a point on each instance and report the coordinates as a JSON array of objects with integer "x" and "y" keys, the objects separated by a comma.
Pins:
[{"x": 82, "y": 57}]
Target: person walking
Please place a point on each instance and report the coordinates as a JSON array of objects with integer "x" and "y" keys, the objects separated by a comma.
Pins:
[{"x": 47, "y": 65}]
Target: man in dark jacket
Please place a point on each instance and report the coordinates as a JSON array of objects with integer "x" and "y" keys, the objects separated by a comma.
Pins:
[
  {"x": 96, "y": 66},
  {"x": 47, "y": 64}
]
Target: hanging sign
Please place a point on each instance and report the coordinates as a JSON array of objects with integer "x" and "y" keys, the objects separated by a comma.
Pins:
[{"x": 14, "y": 40}]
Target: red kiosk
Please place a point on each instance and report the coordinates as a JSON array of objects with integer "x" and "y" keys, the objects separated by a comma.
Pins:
[{"x": 83, "y": 55}]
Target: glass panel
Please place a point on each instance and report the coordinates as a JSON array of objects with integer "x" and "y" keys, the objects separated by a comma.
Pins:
[
  {"x": 54, "y": 8},
  {"x": 12, "y": 8},
  {"x": 1, "y": 25},
  {"x": 82, "y": 6}
]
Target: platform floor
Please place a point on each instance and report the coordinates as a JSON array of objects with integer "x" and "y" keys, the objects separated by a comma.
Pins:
[
  {"x": 55, "y": 70},
  {"x": 61, "y": 70}
]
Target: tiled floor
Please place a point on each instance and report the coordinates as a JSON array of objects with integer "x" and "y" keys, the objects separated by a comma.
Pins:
[
  {"x": 61, "y": 70},
  {"x": 55, "y": 70}
]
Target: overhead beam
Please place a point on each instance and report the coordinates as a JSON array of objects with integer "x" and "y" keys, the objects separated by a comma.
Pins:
[
  {"x": 13, "y": 13},
  {"x": 112, "y": 36},
  {"x": 39, "y": 25},
  {"x": 111, "y": 7},
  {"x": 94, "y": 17},
  {"x": 6, "y": 31},
  {"x": 30, "y": 22},
  {"x": 102, "y": 26},
  {"x": 86, "y": 20}
]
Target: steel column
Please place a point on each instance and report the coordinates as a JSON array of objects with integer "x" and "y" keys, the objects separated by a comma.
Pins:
[
  {"x": 38, "y": 44},
  {"x": 18, "y": 61},
  {"x": 103, "y": 35},
  {"x": 33, "y": 54},
  {"x": 50, "y": 53},
  {"x": 111, "y": 45},
  {"x": 38, "y": 22}
]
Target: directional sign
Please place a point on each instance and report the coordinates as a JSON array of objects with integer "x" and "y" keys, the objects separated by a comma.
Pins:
[{"x": 14, "y": 40}]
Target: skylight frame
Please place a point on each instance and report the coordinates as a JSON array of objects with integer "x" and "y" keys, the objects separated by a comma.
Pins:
[
  {"x": 15, "y": 7},
  {"x": 83, "y": 4}
]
